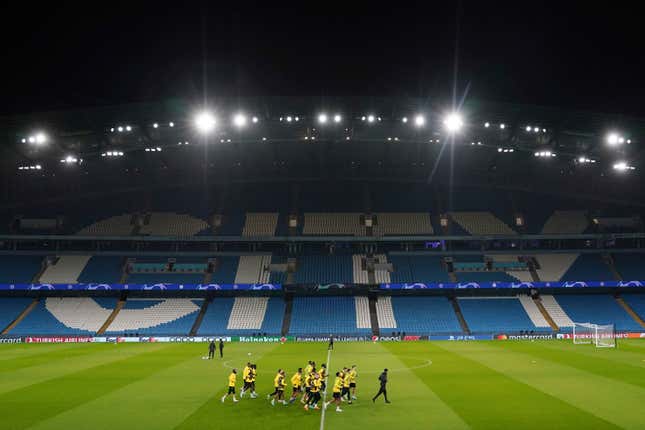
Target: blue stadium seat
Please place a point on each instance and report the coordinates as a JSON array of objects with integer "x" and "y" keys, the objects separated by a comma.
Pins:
[
  {"x": 324, "y": 269},
  {"x": 101, "y": 269},
  {"x": 636, "y": 302},
  {"x": 177, "y": 327},
  {"x": 19, "y": 269},
  {"x": 484, "y": 277},
  {"x": 217, "y": 316},
  {"x": 424, "y": 316},
  {"x": 417, "y": 268},
  {"x": 10, "y": 308},
  {"x": 324, "y": 316},
  {"x": 597, "y": 309},
  {"x": 630, "y": 266},
  {"x": 165, "y": 278},
  {"x": 226, "y": 270},
  {"x": 493, "y": 315},
  {"x": 588, "y": 267}
]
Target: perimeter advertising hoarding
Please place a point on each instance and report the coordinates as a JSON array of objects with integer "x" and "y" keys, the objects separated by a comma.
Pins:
[{"x": 140, "y": 287}]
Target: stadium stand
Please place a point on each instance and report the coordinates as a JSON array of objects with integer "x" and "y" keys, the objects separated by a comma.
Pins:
[
  {"x": 11, "y": 308},
  {"x": 119, "y": 225},
  {"x": 225, "y": 270},
  {"x": 588, "y": 267},
  {"x": 403, "y": 223},
  {"x": 324, "y": 316},
  {"x": 19, "y": 269},
  {"x": 629, "y": 266},
  {"x": 495, "y": 314},
  {"x": 324, "y": 269},
  {"x": 362, "y": 312},
  {"x": 102, "y": 269},
  {"x": 555, "y": 311},
  {"x": 66, "y": 316},
  {"x": 65, "y": 270},
  {"x": 533, "y": 311},
  {"x": 260, "y": 224},
  {"x": 552, "y": 267},
  {"x": 481, "y": 223},
  {"x": 165, "y": 278},
  {"x": 251, "y": 269},
  {"x": 172, "y": 224},
  {"x": 417, "y": 268},
  {"x": 347, "y": 224},
  {"x": 597, "y": 309},
  {"x": 483, "y": 276},
  {"x": 361, "y": 275},
  {"x": 566, "y": 222},
  {"x": 417, "y": 315},
  {"x": 513, "y": 267},
  {"x": 219, "y": 318},
  {"x": 155, "y": 316},
  {"x": 636, "y": 302}
]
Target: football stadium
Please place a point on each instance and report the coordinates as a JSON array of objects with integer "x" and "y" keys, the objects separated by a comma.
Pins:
[
  {"x": 222, "y": 218},
  {"x": 497, "y": 295}
]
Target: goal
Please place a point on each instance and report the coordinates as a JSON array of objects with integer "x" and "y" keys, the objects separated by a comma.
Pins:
[{"x": 601, "y": 335}]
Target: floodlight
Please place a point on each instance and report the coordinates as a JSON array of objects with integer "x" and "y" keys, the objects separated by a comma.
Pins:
[
  {"x": 239, "y": 120},
  {"x": 24, "y": 140},
  {"x": 502, "y": 126},
  {"x": 487, "y": 124},
  {"x": 322, "y": 118},
  {"x": 370, "y": 118},
  {"x": 528, "y": 128},
  {"x": 536, "y": 129},
  {"x": 254, "y": 119},
  {"x": 453, "y": 122},
  {"x": 612, "y": 139},
  {"x": 404, "y": 119},
  {"x": 32, "y": 139},
  {"x": 41, "y": 138},
  {"x": 128, "y": 128},
  {"x": 337, "y": 118},
  {"x": 419, "y": 120},
  {"x": 171, "y": 124},
  {"x": 120, "y": 129},
  {"x": 155, "y": 125},
  {"x": 289, "y": 118},
  {"x": 205, "y": 122}
]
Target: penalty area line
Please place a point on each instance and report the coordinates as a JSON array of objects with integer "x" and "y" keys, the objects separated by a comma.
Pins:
[{"x": 324, "y": 399}]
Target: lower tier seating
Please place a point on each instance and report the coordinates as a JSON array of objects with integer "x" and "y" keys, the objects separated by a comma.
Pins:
[
  {"x": 324, "y": 316},
  {"x": 156, "y": 316},
  {"x": 418, "y": 315},
  {"x": 10, "y": 309},
  {"x": 243, "y": 316},
  {"x": 495, "y": 314},
  {"x": 597, "y": 309}
]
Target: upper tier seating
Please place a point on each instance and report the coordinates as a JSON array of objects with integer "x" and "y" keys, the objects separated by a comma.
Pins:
[
  {"x": 361, "y": 276},
  {"x": 325, "y": 316},
  {"x": 418, "y": 268},
  {"x": 223, "y": 316},
  {"x": 19, "y": 269},
  {"x": 66, "y": 316},
  {"x": 165, "y": 278},
  {"x": 630, "y": 266},
  {"x": 481, "y": 223},
  {"x": 251, "y": 269},
  {"x": 226, "y": 270},
  {"x": 173, "y": 224},
  {"x": 597, "y": 309},
  {"x": 502, "y": 259},
  {"x": 566, "y": 222},
  {"x": 156, "y": 316},
  {"x": 10, "y": 308},
  {"x": 346, "y": 224},
  {"x": 403, "y": 223},
  {"x": 324, "y": 269},
  {"x": 463, "y": 277},
  {"x": 495, "y": 314},
  {"x": 588, "y": 267},
  {"x": 120, "y": 225},
  {"x": 260, "y": 224},
  {"x": 102, "y": 270},
  {"x": 66, "y": 270},
  {"x": 636, "y": 302},
  {"x": 554, "y": 266},
  {"x": 418, "y": 315}
]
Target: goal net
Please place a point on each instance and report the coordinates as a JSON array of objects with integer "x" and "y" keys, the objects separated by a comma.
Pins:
[{"x": 601, "y": 335}]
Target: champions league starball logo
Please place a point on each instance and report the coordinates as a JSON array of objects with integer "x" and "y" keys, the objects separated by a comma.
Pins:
[
  {"x": 94, "y": 287},
  {"x": 630, "y": 283},
  {"x": 154, "y": 287},
  {"x": 204, "y": 287},
  {"x": 37, "y": 287}
]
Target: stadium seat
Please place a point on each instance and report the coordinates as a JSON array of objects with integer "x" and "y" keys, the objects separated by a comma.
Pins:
[
  {"x": 11, "y": 308},
  {"x": 119, "y": 225},
  {"x": 251, "y": 269},
  {"x": 102, "y": 270},
  {"x": 417, "y": 315},
  {"x": 495, "y": 315},
  {"x": 323, "y": 224},
  {"x": 553, "y": 308},
  {"x": 588, "y": 267},
  {"x": 243, "y": 316},
  {"x": 596, "y": 309},
  {"x": 66, "y": 270},
  {"x": 566, "y": 222},
  {"x": 19, "y": 269},
  {"x": 160, "y": 317},
  {"x": 417, "y": 268},
  {"x": 172, "y": 224},
  {"x": 324, "y": 316},
  {"x": 629, "y": 266},
  {"x": 403, "y": 223},
  {"x": 481, "y": 223},
  {"x": 260, "y": 224},
  {"x": 324, "y": 269}
]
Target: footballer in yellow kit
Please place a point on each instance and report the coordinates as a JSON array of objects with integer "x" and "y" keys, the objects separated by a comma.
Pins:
[{"x": 232, "y": 378}]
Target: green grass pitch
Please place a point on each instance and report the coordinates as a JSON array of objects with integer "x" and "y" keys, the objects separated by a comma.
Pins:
[{"x": 433, "y": 385}]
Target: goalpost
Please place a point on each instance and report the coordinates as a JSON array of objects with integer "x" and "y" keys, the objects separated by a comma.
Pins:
[{"x": 601, "y": 335}]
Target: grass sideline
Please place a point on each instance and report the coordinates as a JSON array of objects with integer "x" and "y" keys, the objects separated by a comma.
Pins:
[{"x": 433, "y": 385}]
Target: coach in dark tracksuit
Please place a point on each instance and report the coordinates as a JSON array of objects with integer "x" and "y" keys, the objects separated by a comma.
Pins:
[
  {"x": 221, "y": 348},
  {"x": 211, "y": 350},
  {"x": 383, "y": 380}
]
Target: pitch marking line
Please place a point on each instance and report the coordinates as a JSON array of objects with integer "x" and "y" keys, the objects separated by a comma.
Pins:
[{"x": 324, "y": 399}]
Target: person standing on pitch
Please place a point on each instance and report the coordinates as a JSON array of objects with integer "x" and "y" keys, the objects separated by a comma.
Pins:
[
  {"x": 331, "y": 342},
  {"x": 383, "y": 380},
  {"x": 211, "y": 350},
  {"x": 221, "y": 348}
]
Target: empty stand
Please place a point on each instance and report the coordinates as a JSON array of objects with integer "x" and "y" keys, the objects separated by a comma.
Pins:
[
  {"x": 102, "y": 270},
  {"x": 247, "y": 313},
  {"x": 566, "y": 222},
  {"x": 19, "y": 269},
  {"x": 403, "y": 223},
  {"x": 251, "y": 269},
  {"x": 630, "y": 266},
  {"x": 552, "y": 267},
  {"x": 418, "y": 268},
  {"x": 10, "y": 309},
  {"x": 219, "y": 319},
  {"x": 158, "y": 316},
  {"x": 347, "y": 224},
  {"x": 417, "y": 315},
  {"x": 324, "y": 269},
  {"x": 597, "y": 309},
  {"x": 588, "y": 267},
  {"x": 523, "y": 275},
  {"x": 172, "y": 224},
  {"x": 225, "y": 270},
  {"x": 495, "y": 314},
  {"x": 325, "y": 316},
  {"x": 260, "y": 224},
  {"x": 533, "y": 311},
  {"x": 66, "y": 270},
  {"x": 362, "y": 305},
  {"x": 481, "y": 223},
  {"x": 558, "y": 315},
  {"x": 120, "y": 225}
]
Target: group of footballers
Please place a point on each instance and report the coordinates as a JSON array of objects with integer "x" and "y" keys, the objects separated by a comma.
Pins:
[{"x": 308, "y": 384}]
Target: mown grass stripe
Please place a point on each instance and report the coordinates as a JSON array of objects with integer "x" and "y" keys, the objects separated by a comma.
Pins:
[
  {"x": 48, "y": 356},
  {"x": 488, "y": 399},
  {"x": 24, "y": 407},
  {"x": 596, "y": 395}
]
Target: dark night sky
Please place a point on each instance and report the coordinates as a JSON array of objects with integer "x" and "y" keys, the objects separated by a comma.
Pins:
[{"x": 568, "y": 54}]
